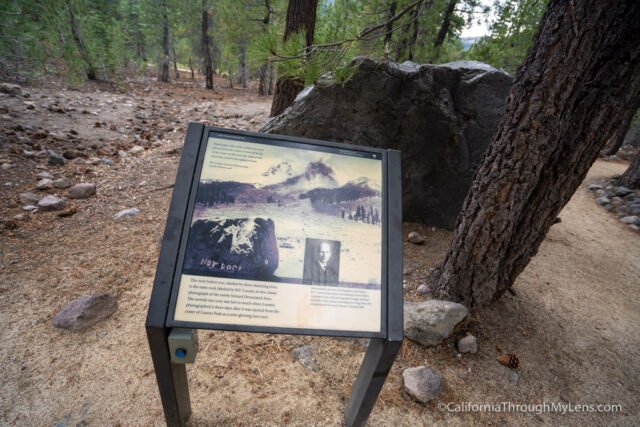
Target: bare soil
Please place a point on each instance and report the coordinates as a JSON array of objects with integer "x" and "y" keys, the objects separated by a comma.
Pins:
[{"x": 573, "y": 321}]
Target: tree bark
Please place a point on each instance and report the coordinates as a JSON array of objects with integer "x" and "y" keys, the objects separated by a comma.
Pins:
[
  {"x": 388, "y": 29},
  {"x": 446, "y": 23},
  {"x": 206, "y": 50},
  {"x": 617, "y": 140},
  {"x": 90, "y": 68},
  {"x": 631, "y": 177},
  {"x": 175, "y": 61},
  {"x": 577, "y": 85},
  {"x": 264, "y": 68},
  {"x": 301, "y": 16},
  {"x": 164, "y": 61},
  {"x": 242, "y": 64}
]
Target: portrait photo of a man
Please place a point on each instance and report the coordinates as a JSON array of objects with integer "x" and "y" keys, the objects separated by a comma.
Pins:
[{"x": 321, "y": 262}]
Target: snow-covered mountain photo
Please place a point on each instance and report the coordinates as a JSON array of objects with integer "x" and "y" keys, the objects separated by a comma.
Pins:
[{"x": 287, "y": 196}]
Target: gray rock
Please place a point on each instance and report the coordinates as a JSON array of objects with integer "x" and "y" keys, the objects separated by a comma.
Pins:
[
  {"x": 468, "y": 344},
  {"x": 6, "y": 166},
  {"x": 20, "y": 217},
  {"x": 51, "y": 203},
  {"x": 604, "y": 200},
  {"x": 422, "y": 383},
  {"x": 415, "y": 238},
  {"x": 85, "y": 311},
  {"x": 442, "y": 117},
  {"x": 431, "y": 322},
  {"x": 44, "y": 184},
  {"x": 631, "y": 220},
  {"x": 29, "y": 208},
  {"x": 107, "y": 162},
  {"x": 616, "y": 201},
  {"x": 622, "y": 191},
  {"x": 82, "y": 191},
  {"x": 136, "y": 149},
  {"x": 126, "y": 213},
  {"x": 10, "y": 89},
  {"x": 29, "y": 198},
  {"x": 304, "y": 355},
  {"x": 56, "y": 159},
  {"x": 62, "y": 183},
  {"x": 634, "y": 227},
  {"x": 423, "y": 290},
  {"x": 594, "y": 187},
  {"x": 44, "y": 175},
  {"x": 513, "y": 377}
]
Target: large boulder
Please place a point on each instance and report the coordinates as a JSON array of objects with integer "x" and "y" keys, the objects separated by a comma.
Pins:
[
  {"x": 245, "y": 247},
  {"x": 442, "y": 118}
]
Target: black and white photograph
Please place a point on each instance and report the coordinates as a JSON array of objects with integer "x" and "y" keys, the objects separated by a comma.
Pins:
[
  {"x": 262, "y": 209},
  {"x": 321, "y": 262}
]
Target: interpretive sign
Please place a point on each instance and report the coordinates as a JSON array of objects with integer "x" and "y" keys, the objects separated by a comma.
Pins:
[{"x": 269, "y": 233}]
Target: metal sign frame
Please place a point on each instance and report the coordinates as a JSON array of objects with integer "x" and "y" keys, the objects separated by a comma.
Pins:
[{"x": 383, "y": 346}]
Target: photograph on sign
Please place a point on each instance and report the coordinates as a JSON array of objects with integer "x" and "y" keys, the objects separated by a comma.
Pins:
[{"x": 286, "y": 236}]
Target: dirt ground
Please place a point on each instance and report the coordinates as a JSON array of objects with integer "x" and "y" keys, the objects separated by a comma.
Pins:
[{"x": 574, "y": 320}]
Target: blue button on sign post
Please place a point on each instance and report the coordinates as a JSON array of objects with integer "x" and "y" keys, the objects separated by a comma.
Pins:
[{"x": 181, "y": 353}]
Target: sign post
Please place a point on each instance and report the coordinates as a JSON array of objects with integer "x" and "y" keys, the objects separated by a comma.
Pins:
[{"x": 276, "y": 234}]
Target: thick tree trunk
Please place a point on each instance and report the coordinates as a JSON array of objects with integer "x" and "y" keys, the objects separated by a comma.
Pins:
[
  {"x": 206, "y": 51},
  {"x": 414, "y": 33},
  {"x": 301, "y": 16},
  {"x": 164, "y": 61},
  {"x": 631, "y": 177},
  {"x": 446, "y": 23},
  {"x": 575, "y": 88},
  {"x": 90, "y": 68},
  {"x": 405, "y": 48}
]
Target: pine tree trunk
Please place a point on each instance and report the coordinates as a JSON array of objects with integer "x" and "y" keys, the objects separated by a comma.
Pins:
[
  {"x": 301, "y": 16},
  {"x": 631, "y": 177},
  {"x": 193, "y": 74},
  {"x": 175, "y": 62},
  {"x": 617, "y": 140},
  {"x": 414, "y": 34},
  {"x": 242, "y": 64},
  {"x": 90, "y": 68},
  {"x": 388, "y": 29},
  {"x": 206, "y": 50},
  {"x": 446, "y": 23},
  {"x": 265, "y": 68},
  {"x": 164, "y": 61},
  {"x": 272, "y": 79},
  {"x": 575, "y": 88}
]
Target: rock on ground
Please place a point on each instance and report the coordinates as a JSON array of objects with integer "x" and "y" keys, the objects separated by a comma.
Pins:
[
  {"x": 127, "y": 213},
  {"x": 29, "y": 198},
  {"x": 468, "y": 344},
  {"x": 82, "y": 191},
  {"x": 51, "y": 203},
  {"x": 415, "y": 238},
  {"x": 431, "y": 322},
  {"x": 10, "y": 89},
  {"x": 44, "y": 184},
  {"x": 442, "y": 118},
  {"x": 422, "y": 383},
  {"x": 304, "y": 355},
  {"x": 85, "y": 311}
]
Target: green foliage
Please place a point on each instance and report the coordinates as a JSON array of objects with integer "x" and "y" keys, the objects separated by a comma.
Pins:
[
  {"x": 126, "y": 35},
  {"x": 512, "y": 33}
]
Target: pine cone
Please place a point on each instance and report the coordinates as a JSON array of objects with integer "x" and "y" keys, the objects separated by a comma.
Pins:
[{"x": 509, "y": 360}]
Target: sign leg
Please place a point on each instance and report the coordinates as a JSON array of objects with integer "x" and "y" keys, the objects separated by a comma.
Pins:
[
  {"x": 374, "y": 370},
  {"x": 171, "y": 377}
]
